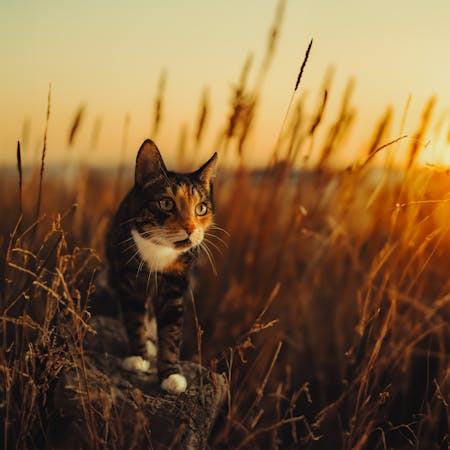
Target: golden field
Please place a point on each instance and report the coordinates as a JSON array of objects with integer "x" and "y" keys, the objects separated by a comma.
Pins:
[{"x": 329, "y": 310}]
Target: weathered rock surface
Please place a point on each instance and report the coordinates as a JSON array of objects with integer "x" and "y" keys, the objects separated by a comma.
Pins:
[{"x": 101, "y": 405}]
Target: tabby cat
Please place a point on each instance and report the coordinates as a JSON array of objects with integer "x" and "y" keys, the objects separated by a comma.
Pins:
[{"x": 152, "y": 242}]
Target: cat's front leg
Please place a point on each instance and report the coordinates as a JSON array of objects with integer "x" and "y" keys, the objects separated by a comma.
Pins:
[
  {"x": 169, "y": 315},
  {"x": 134, "y": 314}
]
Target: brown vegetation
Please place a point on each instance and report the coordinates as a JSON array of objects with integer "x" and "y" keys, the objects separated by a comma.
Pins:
[{"x": 329, "y": 314}]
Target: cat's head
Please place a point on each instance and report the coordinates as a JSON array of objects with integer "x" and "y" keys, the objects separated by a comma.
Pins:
[{"x": 175, "y": 209}]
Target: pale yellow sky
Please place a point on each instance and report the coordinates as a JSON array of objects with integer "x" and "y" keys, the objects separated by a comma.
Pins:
[{"x": 109, "y": 56}]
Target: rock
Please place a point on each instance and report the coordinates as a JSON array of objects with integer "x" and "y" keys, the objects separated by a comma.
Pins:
[{"x": 105, "y": 406}]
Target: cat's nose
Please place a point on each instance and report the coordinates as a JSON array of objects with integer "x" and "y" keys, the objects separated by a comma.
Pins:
[{"x": 189, "y": 228}]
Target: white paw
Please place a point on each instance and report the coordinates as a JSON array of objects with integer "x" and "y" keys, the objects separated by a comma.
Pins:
[
  {"x": 136, "y": 364},
  {"x": 152, "y": 350},
  {"x": 175, "y": 383}
]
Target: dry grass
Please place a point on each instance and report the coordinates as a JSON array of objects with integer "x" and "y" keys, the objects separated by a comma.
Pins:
[{"x": 329, "y": 314}]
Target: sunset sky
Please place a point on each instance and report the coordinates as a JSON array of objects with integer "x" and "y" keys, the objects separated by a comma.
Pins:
[{"x": 109, "y": 57}]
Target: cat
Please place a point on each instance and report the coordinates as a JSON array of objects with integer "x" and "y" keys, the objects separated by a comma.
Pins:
[{"x": 152, "y": 242}]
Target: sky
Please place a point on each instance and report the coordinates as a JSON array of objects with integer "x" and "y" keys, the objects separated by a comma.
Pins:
[{"x": 109, "y": 56}]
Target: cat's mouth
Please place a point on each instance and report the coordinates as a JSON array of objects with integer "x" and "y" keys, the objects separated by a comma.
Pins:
[{"x": 183, "y": 244}]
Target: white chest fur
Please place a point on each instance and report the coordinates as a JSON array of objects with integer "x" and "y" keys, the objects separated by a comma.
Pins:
[{"x": 157, "y": 257}]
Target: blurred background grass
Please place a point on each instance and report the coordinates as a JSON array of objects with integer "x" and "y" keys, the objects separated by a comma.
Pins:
[{"x": 330, "y": 309}]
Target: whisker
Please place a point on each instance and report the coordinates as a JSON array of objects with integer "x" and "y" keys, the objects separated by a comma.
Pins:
[
  {"x": 213, "y": 244},
  {"x": 141, "y": 264},
  {"x": 131, "y": 238},
  {"x": 149, "y": 233},
  {"x": 204, "y": 247},
  {"x": 125, "y": 241},
  {"x": 211, "y": 235},
  {"x": 128, "y": 221},
  {"x": 129, "y": 247},
  {"x": 214, "y": 226},
  {"x": 155, "y": 276},
  {"x": 148, "y": 278},
  {"x": 155, "y": 233},
  {"x": 133, "y": 256}
]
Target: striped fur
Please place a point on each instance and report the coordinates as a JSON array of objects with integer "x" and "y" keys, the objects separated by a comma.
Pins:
[{"x": 152, "y": 242}]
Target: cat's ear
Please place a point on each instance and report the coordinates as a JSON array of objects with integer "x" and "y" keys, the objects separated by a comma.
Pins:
[
  {"x": 207, "y": 172},
  {"x": 149, "y": 163}
]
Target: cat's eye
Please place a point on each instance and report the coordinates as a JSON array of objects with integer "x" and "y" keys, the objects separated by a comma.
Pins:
[
  {"x": 166, "y": 204},
  {"x": 201, "y": 209}
]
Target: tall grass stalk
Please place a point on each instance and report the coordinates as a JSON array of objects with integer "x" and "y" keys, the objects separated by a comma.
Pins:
[
  {"x": 76, "y": 124},
  {"x": 44, "y": 149},
  {"x": 202, "y": 117},
  {"x": 159, "y": 104},
  {"x": 123, "y": 150},
  {"x": 19, "y": 169},
  {"x": 417, "y": 140},
  {"x": 297, "y": 84}
]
